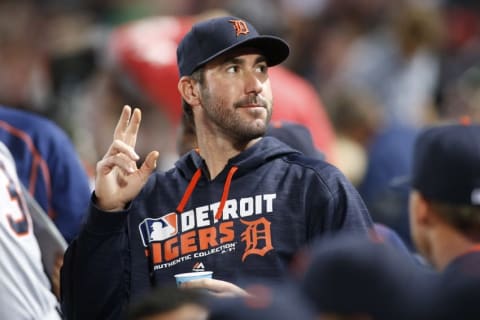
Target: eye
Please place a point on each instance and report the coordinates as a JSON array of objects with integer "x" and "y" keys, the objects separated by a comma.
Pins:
[
  {"x": 232, "y": 69},
  {"x": 262, "y": 68}
]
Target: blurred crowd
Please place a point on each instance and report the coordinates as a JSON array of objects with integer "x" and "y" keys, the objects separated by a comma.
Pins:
[{"x": 381, "y": 69}]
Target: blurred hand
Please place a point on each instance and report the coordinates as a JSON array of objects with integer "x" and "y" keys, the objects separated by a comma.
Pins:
[
  {"x": 216, "y": 287},
  {"x": 118, "y": 180}
]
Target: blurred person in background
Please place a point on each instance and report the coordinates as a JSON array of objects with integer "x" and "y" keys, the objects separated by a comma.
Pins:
[
  {"x": 445, "y": 213},
  {"x": 356, "y": 277},
  {"x": 49, "y": 167},
  {"x": 24, "y": 80},
  {"x": 26, "y": 292},
  {"x": 390, "y": 48},
  {"x": 459, "y": 61},
  {"x": 372, "y": 154},
  {"x": 170, "y": 303},
  {"x": 382, "y": 187},
  {"x": 388, "y": 52},
  {"x": 357, "y": 118}
]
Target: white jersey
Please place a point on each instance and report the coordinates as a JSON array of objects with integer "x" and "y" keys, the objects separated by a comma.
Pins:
[{"x": 24, "y": 287}]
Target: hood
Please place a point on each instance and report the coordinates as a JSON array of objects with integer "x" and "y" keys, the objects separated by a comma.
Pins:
[
  {"x": 193, "y": 167},
  {"x": 265, "y": 150}
]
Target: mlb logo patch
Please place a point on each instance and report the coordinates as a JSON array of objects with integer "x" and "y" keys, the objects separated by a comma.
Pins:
[{"x": 158, "y": 229}]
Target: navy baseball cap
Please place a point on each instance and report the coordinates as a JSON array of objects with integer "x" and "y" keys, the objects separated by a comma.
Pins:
[
  {"x": 210, "y": 38},
  {"x": 446, "y": 164}
]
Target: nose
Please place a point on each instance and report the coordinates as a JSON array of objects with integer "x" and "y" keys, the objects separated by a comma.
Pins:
[{"x": 253, "y": 83}]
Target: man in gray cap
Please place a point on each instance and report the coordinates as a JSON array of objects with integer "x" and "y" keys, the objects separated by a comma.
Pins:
[{"x": 241, "y": 205}]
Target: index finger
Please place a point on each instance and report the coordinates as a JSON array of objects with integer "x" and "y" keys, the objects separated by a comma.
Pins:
[{"x": 128, "y": 125}]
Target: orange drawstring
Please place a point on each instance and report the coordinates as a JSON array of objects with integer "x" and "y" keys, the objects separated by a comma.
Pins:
[
  {"x": 193, "y": 183},
  {"x": 188, "y": 192},
  {"x": 226, "y": 189}
]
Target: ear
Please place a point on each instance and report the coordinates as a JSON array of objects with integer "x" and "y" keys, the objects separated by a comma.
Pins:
[
  {"x": 420, "y": 209},
  {"x": 189, "y": 90},
  {"x": 424, "y": 212}
]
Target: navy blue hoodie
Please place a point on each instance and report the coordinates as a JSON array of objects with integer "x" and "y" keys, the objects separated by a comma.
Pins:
[{"x": 274, "y": 201}]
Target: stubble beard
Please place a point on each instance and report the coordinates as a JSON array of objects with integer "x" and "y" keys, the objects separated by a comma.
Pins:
[{"x": 232, "y": 123}]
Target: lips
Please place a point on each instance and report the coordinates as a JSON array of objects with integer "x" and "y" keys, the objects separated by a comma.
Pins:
[
  {"x": 253, "y": 106},
  {"x": 253, "y": 101}
]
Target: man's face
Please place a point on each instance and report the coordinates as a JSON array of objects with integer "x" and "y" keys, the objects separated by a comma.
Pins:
[{"x": 236, "y": 96}]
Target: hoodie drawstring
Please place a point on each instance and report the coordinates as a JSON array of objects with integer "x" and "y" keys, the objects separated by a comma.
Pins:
[
  {"x": 189, "y": 190},
  {"x": 226, "y": 189},
  {"x": 191, "y": 186}
]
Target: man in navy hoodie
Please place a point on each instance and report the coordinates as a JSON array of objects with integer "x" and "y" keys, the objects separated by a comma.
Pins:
[{"x": 240, "y": 205}]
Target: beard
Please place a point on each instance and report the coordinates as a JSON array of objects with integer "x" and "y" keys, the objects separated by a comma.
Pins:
[{"x": 241, "y": 125}]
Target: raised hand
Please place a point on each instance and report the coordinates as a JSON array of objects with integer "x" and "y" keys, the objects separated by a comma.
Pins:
[{"x": 118, "y": 180}]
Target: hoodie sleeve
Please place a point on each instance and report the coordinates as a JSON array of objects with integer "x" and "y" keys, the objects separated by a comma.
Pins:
[
  {"x": 340, "y": 209},
  {"x": 95, "y": 278}
]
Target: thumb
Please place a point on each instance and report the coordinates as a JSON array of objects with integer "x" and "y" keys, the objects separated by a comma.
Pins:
[{"x": 150, "y": 163}]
